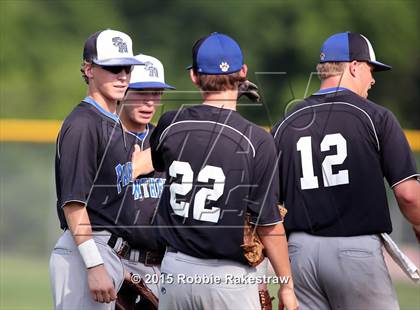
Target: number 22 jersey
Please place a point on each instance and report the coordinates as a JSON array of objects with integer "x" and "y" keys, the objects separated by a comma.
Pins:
[{"x": 219, "y": 166}]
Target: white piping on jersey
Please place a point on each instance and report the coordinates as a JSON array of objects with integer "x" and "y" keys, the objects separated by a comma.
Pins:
[
  {"x": 162, "y": 136},
  {"x": 269, "y": 224},
  {"x": 329, "y": 103},
  {"x": 144, "y": 138},
  {"x": 405, "y": 179},
  {"x": 75, "y": 200}
]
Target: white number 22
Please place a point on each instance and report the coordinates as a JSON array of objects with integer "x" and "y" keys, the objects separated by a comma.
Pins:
[
  {"x": 208, "y": 172},
  {"x": 309, "y": 180}
]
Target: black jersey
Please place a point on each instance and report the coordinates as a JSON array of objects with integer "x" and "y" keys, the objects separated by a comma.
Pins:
[
  {"x": 335, "y": 148},
  {"x": 93, "y": 166},
  {"x": 219, "y": 166}
]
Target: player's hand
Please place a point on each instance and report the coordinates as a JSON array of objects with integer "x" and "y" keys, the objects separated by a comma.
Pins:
[
  {"x": 250, "y": 90},
  {"x": 287, "y": 298},
  {"x": 141, "y": 162},
  {"x": 101, "y": 285}
]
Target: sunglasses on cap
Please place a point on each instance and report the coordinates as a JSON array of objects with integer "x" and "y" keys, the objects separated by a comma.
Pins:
[{"x": 118, "y": 69}]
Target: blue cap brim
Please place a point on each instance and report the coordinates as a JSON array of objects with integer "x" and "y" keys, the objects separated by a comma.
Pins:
[
  {"x": 379, "y": 66},
  {"x": 145, "y": 85},
  {"x": 129, "y": 61},
  {"x": 189, "y": 67}
]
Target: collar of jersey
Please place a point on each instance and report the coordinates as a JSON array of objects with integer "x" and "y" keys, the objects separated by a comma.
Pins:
[
  {"x": 141, "y": 135},
  {"x": 330, "y": 90},
  {"x": 113, "y": 116}
]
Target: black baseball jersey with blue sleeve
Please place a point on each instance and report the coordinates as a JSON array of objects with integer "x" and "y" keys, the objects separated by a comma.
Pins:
[
  {"x": 219, "y": 166},
  {"x": 335, "y": 148},
  {"x": 93, "y": 167}
]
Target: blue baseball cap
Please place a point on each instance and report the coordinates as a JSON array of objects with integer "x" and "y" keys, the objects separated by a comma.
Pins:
[
  {"x": 215, "y": 54},
  {"x": 349, "y": 46}
]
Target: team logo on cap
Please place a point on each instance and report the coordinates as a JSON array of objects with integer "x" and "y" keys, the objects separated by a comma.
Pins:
[
  {"x": 122, "y": 46},
  {"x": 322, "y": 56},
  {"x": 224, "y": 66},
  {"x": 153, "y": 71}
]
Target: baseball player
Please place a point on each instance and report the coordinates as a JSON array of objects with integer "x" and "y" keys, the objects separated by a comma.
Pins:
[
  {"x": 144, "y": 93},
  {"x": 218, "y": 167},
  {"x": 335, "y": 147},
  {"x": 93, "y": 173}
]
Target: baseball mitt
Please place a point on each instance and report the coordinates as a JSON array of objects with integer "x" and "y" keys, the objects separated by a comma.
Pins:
[
  {"x": 136, "y": 296},
  {"x": 249, "y": 90}
]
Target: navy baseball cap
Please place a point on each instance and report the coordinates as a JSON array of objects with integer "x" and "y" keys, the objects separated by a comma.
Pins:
[
  {"x": 349, "y": 46},
  {"x": 215, "y": 54},
  {"x": 110, "y": 48}
]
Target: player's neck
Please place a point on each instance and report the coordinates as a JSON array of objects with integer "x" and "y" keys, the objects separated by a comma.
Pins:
[
  {"x": 107, "y": 104},
  {"x": 338, "y": 81},
  {"x": 225, "y": 99}
]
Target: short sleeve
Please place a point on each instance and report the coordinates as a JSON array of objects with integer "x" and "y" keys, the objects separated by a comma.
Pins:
[
  {"x": 397, "y": 160},
  {"x": 76, "y": 160},
  {"x": 156, "y": 149},
  {"x": 265, "y": 191}
]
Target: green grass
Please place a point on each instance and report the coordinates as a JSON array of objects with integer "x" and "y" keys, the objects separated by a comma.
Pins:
[
  {"x": 408, "y": 296},
  {"x": 25, "y": 285}
]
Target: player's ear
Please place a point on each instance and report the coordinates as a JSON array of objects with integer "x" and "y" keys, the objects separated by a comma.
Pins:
[
  {"x": 243, "y": 71},
  {"x": 352, "y": 68},
  {"x": 88, "y": 70},
  {"x": 194, "y": 77}
]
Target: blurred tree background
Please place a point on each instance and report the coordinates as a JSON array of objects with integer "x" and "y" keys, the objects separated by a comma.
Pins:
[
  {"x": 42, "y": 41},
  {"x": 41, "y": 44}
]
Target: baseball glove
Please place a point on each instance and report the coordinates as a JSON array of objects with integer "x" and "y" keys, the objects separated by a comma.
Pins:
[
  {"x": 266, "y": 300},
  {"x": 250, "y": 90},
  {"x": 252, "y": 246},
  {"x": 136, "y": 296}
]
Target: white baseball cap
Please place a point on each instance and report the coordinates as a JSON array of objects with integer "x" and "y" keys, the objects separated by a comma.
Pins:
[
  {"x": 110, "y": 48},
  {"x": 151, "y": 75}
]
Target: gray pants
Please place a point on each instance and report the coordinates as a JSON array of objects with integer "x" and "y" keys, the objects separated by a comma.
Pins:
[
  {"x": 340, "y": 273},
  {"x": 182, "y": 289},
  {"x": 69, "y": 277}
]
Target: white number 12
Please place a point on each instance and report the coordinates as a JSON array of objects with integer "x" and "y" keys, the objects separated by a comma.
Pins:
[{"x": 309, "y": 180}]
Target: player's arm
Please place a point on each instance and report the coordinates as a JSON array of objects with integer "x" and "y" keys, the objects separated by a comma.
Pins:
[
  {"x": 144, "y": 162},
  {"x": 267, "y": 217},
  {"x": 407, "y": 194},
  {"x": 400, "y": 170},
  {"x": 77, "y": 164},
  {"x": 274, "y": 240},
  {"x": 100, "y": 283}
]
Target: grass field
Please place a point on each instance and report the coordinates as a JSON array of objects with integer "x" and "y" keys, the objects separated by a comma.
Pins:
[{"x": 25, "y": 285}]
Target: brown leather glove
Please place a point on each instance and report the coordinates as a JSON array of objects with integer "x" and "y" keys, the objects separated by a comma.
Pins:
[
  {"x": 136, "y": 296},
  {"x": 252, "y": 246},
  {"x": 266, "y": 300}
]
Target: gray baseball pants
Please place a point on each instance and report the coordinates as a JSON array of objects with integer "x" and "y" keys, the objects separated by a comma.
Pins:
[
  {"x": 340, "y": 273},
  {"x": 182, "y": 289},
  {"x": 68, "y": 274}
]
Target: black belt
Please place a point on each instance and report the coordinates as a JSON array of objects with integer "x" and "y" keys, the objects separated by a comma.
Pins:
[{"x": 124, "y": 250}]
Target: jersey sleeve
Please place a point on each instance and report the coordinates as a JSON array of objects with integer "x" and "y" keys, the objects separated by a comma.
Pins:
[
  {"x": 276, "y": 133},
  {"x": 265, "y": 185},
  {"x": 77, "y": 161},
  {"x": 397, "y": 160},
  {"x": 156, "y": 148}
]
